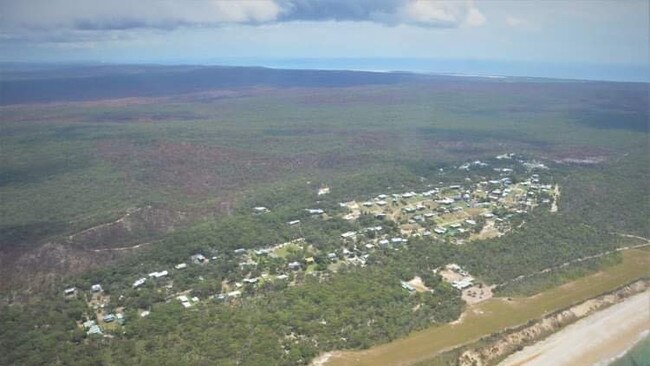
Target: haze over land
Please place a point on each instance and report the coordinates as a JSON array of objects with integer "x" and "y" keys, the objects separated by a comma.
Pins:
[{"x": 219, "y": 183}]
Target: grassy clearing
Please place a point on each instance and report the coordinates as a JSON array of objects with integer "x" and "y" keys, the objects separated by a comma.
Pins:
[{"x": 496, "y": 314}]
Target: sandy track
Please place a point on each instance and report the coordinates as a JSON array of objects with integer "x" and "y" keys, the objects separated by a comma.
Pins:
[{"x": 593, "y": 339}]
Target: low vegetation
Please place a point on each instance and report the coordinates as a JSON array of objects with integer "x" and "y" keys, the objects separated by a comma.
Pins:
[{"x": 222, "y": 173}]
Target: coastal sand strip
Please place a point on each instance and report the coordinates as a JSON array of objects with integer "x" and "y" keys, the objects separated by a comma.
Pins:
[{"x": 597, "y": 337}]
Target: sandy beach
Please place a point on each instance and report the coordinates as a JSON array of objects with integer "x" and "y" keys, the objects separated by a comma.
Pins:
[{"x": 592, "y": 340}]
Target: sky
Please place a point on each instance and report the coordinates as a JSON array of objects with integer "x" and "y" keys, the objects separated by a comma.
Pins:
[{"x": 581, "y": 38}]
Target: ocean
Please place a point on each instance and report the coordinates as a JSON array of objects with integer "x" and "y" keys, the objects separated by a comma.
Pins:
[{"x": 639, "y": 355}]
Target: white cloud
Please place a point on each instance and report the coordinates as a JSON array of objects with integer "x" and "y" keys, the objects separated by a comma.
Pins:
[
  {"x": 475, "y": 18},
  {"x": 514, "y": 22},
  {"x": 442, "y": 13}
]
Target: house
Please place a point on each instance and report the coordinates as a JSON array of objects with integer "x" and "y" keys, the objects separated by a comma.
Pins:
[
  {"x": 314, "y": 211},
  {"x": 145, "y": 313},
  {"x": 369, "y": 246},
  {"x": 383, "y": 242},
  {"x": 409, "y": 209},
  {"x": 95, "y": 329},
  {"x": 198, "y": 259},
  {"x": 294, "y": 265},
  {"x": 240, "y": 251},
  {"x": 470, "y": 222},
  {"x": 251, "y": 281},
  {"x": 139, "y": 282},
  {"x": 282, "y": 277},
  {"x": 70, "y": 291},
  {"x": 186, "y": 304},
  {"x": 158, "y": 274},
  {"x": 181, "y": 266},
  {"x": 454, "y": 226},
  {"x": 332, "y": 256},
  {"x": 445, "y": 201},
  {"x": 96, "y": 288},
  {"x": 396, "y": 240},
  {"x": 407, "y": 286},
  {"x": 380, "y": 215},
  {"x": 367, "y": 204},
  {"x": 463, "y": 284},
  {"x": 294, "y": 222},
  {"x": 234, "y": 294},
  {"x": 440, "y": 230},
  {"x": 109, "y": 318},
  {"x": 89, "y": 323},
  {"x": 348, "y": 234},
  {"x": 323, "y": 190},
  {"x": 120, "y": 318},
  {"x": 381, "y": 203},
  {"x": 373, "y": 228},
  {"x": 182, "y": 298},
  {"x": 260, "y": 209}
]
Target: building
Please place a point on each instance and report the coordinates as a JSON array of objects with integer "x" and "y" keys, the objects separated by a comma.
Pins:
[
  {"x": 198, "y": 259},
  {"x": 407, "y": 286},
  {"x": 70, "y": 291},
  {"x": 260, "y": 209},
  {"x": 139, "y": 282},
  {"x": 181, "y": 266},
  {"x": 463, "y": 284},
  {"x": 96, "y": 288},
  {"x": 158, "y": 274},
  {"x": 95, "y": 329},
  {"x": 109, "y": 318}
]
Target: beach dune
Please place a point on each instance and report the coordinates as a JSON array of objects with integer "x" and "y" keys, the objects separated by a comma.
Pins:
[{"x": 592, "y": 340}]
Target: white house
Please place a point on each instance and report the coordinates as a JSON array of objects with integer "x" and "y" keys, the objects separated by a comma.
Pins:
[
  {"x": 139, "y": 282},
  {"x": 96, "y": 288}
]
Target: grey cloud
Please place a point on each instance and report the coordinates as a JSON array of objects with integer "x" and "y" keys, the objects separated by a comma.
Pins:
[
  {"x": 42, "y": 16},
  {"x": 338, "y": 10}
]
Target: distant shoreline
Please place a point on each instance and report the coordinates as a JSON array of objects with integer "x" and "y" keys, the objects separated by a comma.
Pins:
[{"x": 599, "y": 339}]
